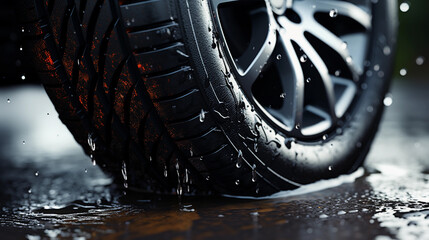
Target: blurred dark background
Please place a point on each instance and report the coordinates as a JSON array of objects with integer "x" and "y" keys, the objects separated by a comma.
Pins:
[
  {"x": 412, "y": 51},
  {"x": 13, "y": 62}
]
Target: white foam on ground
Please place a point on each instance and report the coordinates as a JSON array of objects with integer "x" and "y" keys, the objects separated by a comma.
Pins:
[{"x": 312, "y": 187}]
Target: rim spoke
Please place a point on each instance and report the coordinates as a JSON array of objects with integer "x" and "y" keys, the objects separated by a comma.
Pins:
[
  {"x": 342, "y": 8},
  {"x": 344, "y": 93},
  {"x": 322, "y": 69},
  {"x": 337, "y": 44},
  {"x": 323, "y": 124},
  {"x": 355, "y": 43},
  {"x": 292, "y": 79},
  {"x": 255, "y": 58}
]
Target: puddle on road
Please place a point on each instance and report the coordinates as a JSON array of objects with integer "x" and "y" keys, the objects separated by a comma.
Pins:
[{"x": 51, "y": 190}]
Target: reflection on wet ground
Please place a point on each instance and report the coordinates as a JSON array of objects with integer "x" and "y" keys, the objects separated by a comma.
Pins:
[{"x": 51, "y": 190}]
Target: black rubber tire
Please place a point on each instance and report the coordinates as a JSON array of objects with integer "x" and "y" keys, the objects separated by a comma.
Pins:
[{"x": 130, "y": 79}]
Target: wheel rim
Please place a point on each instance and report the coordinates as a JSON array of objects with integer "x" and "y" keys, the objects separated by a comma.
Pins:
[{"x": 298, "y": 62}]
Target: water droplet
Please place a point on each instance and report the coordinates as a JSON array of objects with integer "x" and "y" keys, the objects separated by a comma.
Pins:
[
  {"x": 358, "y": 144},
  {"x": 23, "y": 77},
  {"x": 349, "y": 59},
  {"x": 91, "y": 142},
  {"x": 324, "y": 137},
  {"x": 376, "y": 67},
  {"x": 323, "y": 216},
  {"x": 165, "y": 171},
  {"x": 237, "y": 182},
  {"x": 330, "y": 168},
  {"x": 86, "y": 170},
  {"x": 279, "y": 56},
  {"x": 420, "y": 60},
  {"x": 369, "y": 73},
  {"x": 220, "y": 215},
  {"x": 403, "y": 72},
  {"x": 29, "y": 191},
  {"x": 239, "y": 159},
  {"x": 207, "y": 178},
  {"x": 308, "y": 80},
  {"x": 387, "y": 50},
  {"x": 388, "y": 100},
  {"x": 254, "y": 175},
  {"x": 254, "y": 213},
  {"x": 201, "y": 158},
  {"x": 303, "y": 58},
  {"x": 369, "y": 109},
  {"x": 124, "y": 171},
  {"x": 238, "y": 164},
  {"x": 333, "y": 13},
  {"x": 297, "y": 127},
  {"x": 190, "y": 152},
  {"x": 186, "y": 176},
  {"x": 36, "y": 173},
  {"x": 344, "y": 45},
  {"x": 202, "y": 115},
  {"x": 404, "y": 7},
  {"x": 8, "y": 100},
  {"x": 23, "y": 142},
  {"x": 337, "y": 73},
  {"x": 282, "y": 95},
  {"x": 179, "y": 190},
  {"x": 341, "y": 213}
]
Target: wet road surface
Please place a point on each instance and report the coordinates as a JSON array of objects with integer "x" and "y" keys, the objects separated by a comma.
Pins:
[{"x": 49, "y": 188}]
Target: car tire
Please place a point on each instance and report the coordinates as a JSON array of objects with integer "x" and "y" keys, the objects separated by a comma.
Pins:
[{"x": 155, "y": 93}]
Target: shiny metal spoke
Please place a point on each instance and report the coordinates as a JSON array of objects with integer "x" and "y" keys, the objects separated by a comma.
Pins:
[
  {"x": 320, "y": 66},
  {"x": 322, "y": 70},
  {"x": 247, "y": 67},
  {"x": 255, "y": 58},
  {"x": 292, "y": 79},
  {"x": 323, "y": 124},
  {"x": 307, "y": 9},
  {"x": 344, "y": 95},
  {"x": 341, "y": 8},
  {"x": 337, "y": 44}
]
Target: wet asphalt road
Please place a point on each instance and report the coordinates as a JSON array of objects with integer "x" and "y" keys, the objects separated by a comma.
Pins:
[{"x": 49, "y": 188}]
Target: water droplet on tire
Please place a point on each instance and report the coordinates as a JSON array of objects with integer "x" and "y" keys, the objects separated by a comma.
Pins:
[{"x": 333, "y": 13}]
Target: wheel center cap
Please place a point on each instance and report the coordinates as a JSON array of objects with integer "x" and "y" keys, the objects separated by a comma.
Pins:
[{"x": 280, "y": 6}]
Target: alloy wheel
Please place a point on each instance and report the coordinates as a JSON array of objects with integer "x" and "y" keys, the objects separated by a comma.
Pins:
[{"x": 299, "y": 63}]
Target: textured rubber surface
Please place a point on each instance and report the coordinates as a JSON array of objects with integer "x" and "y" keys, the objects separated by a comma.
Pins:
[{"x": 125, "y": 79}]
